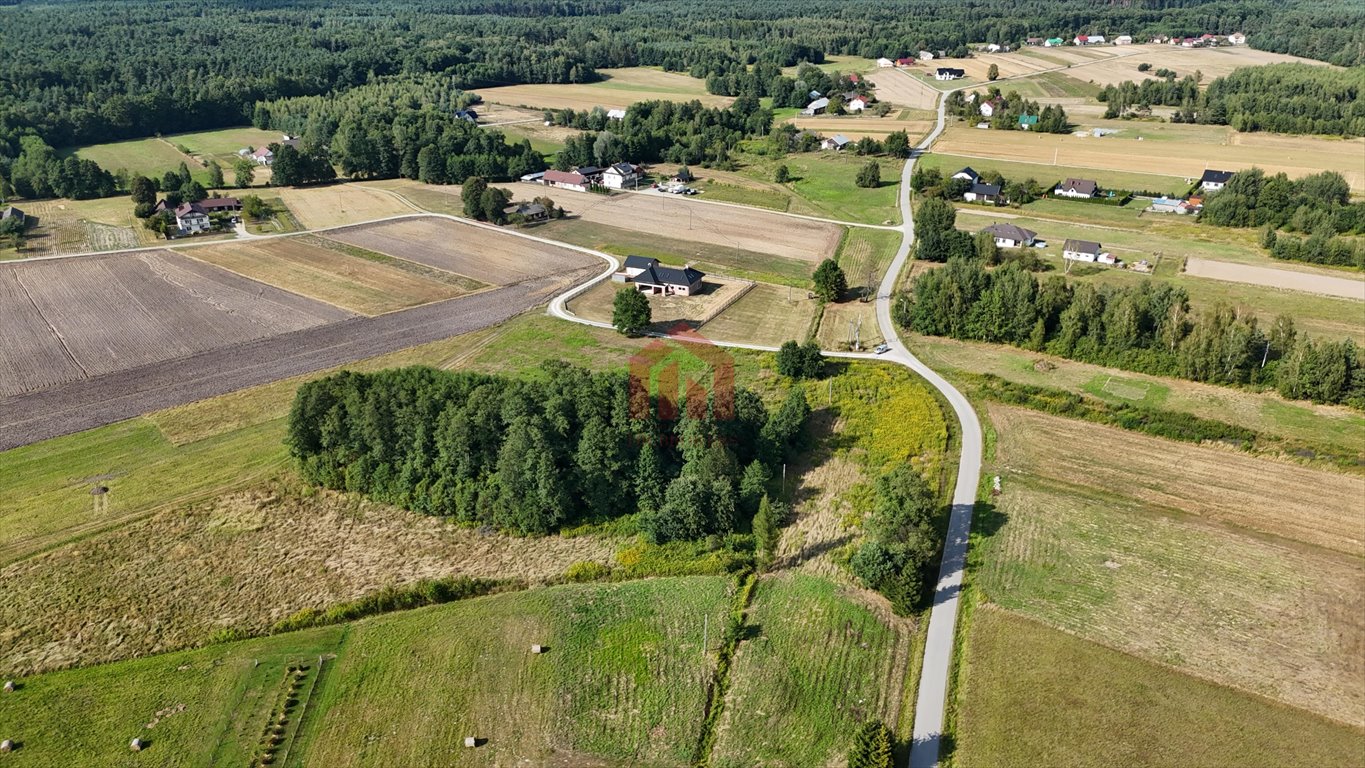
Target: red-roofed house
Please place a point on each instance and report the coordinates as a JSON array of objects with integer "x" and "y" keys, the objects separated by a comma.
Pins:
[{"x": 566, "y": 180}]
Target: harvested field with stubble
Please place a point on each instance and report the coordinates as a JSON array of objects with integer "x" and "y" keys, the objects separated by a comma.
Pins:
[
  {"x": 723, "y": 225},
  {"x": 88, "y": 316},
  {"x": 335, "y": 205},
  {"x": 1222, "y": 484},
  {"x": 112, "y": 596},
  {"x": 486, "y": 255},
  {"x": 902, "y": 89},
  {"x": 822, "y": 664},
  {"x": 1212, "y": 62},
  {"x": 619, "y": 88},
  {"x": 306, "y": 266},
  {"x": 1270, "y": 277}
]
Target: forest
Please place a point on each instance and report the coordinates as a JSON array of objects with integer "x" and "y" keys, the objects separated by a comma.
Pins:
[
  {"x": 533, "y": 456},
  {"x": 655, "y": 131},
  {"x": 82, "y": 71},
  {"x": 1284, "y": 98},
  {"x": 1318, "y": 205},
  {"x": 1148, "y": 328}
]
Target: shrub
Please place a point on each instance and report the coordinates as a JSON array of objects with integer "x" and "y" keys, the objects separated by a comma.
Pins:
[{"x": 587, "y": 570}]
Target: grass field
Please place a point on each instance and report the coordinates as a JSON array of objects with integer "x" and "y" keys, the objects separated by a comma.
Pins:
[
  {"x": 1043, "y": 171},
  {"x": 77, "y": 226},
  {"x": 768, "y": 314},
  {"x": 824, "y": 183},
  {"x": 154, "y": 156},
  {"x": 1035, "y": 696},
  {"x": 624, "y": 680},
  {"x": 667, "y": 312},
  {"x": 1149, "y": 568},
  {"x": 620, "y": 88},
  {"x": 1335, "y": 426},
  {"x": 820, "y": 665},
  {"x": 307, "y": 266}
]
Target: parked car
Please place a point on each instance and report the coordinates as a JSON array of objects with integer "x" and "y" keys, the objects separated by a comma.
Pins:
[{"x": 882, "y": 348}]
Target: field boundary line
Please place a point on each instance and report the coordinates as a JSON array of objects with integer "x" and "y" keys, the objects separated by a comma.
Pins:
[{"x": 60, "y": 338}]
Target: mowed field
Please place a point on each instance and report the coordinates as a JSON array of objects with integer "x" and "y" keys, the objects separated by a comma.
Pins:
[
  {"x": 338, "y": 204},
  {"x": 155, "y": 156},
  {"x": 624, "y": 681},
  {"x": 92, "y": 315},
  {"x": 1243, "y": 570},
  {"x": 667, "y": 312},
  {"x": 362, "y": 282},
  {"x": 621, "y": 88},
  {"x": 902, "y": 89},
  {"x": 1031, "y": 695},
  {"x": 1274, "y": 153},
  {"x": 482, "y": 253},
  {"x": 1327, "y": 285},
  {"x": 1212, "y": 62}
]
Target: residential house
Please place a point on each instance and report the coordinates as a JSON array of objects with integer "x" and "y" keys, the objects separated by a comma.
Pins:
[
  {"x": 621, "y": 176},
  {"x": 926, "y": 56},
  {"x": 1086, "y": 250},
  {"x": 220, "y": 204},
  {"x": 856, "y": 104},
  {"x": 816, "y": 107},
  {"x": 885, "y": 63},
  {"x": 527, "y": 211},
  {"x": 1212, "y": 180},
  {"x": 1028, "y": 122},
  {"x": 263, "y": 156},
  {"x": 1012, "y": 236},
  {"x": 566, "y": 180},
  {"x": 1053, "y": 42},
  {"x": 1080, "y": 40},
  {"x": 949, "y": 73},
  {"x": 905, "y": 61},
  {"x": 983, "y": 193},
  {"x": 1208, "y": 39},
  {"x": 616, "y": 114},
  {"x": 1034, "y": 41},
  {"x": 651, "y": 277},
  {"x": 836, "y": 142},
  {"x": 1084, "y": 188},
  {"x": 192, "y": 219},
  {"x": 467, "y": 115},
  {"x": 10, "y": 212},
  {"x": 989, "y": 107},
  {"x": 1172, "y": 205},
  {"x": 855, "y": 78},
  {"x": 1237, "y": 38},
  {"x": 1123, "y": 40},
  {"x": 967, "y": 174}
]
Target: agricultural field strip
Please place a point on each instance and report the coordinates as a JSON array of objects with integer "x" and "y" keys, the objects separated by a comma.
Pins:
[
  {"x": 1344, "y": 287},
  {"x": 820, "y": 219}
]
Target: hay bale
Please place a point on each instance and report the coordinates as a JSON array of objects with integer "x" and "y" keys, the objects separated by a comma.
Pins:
[
  {"x": 537, "y": 649},
  {"x": 9, "y": 686},
  {"x": 6, "y": 746},
  {"x": 137, "y": 745},
  {"x": 470, "y": 741}
]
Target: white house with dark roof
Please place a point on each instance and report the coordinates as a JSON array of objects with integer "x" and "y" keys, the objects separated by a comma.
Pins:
[
  {"x": 10, "y": 212},
  {"x": 649, "y": 276},
  {"x": 1011, "y": 236},
  {"x": 1212, "y": 180},
  {"x": 856, "y": 104},
  {"x": 1086, "y": 250},
  {"x": 983, "y": 193},
  {"x": 967, "y": 174},
  {"x": 621, "y": 176},
  {"x": 949, "y": 73},
  {"x": 1083, "y": 188},
  {"x": 192, "y": 219}
]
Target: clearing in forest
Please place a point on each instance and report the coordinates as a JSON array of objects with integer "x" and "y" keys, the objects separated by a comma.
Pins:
[{"x": 619, "y": 89}]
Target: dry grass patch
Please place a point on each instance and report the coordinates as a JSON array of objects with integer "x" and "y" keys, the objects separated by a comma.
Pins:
[
  {"x": 242, "y": 561},
  {"x": 78, "y": 226},
  {"x": 1270, "y": 277},
  {"x": 299, "y": 265},
  {"x": 481, "y": 253},
  {"x": 846, "y": 322},
  {"x": 1222, "y": 484},
  {"x": 902, "y": 89},
  {"x": 337, "y": 204},
  {"x": 620, "y": 88},
  {"x": 868, "y": 125},
  {"x": 1212, "y": 62},
  {"x": 767, "y": 314}
]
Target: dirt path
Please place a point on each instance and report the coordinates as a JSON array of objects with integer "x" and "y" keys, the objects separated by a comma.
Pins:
[{"x": 1270, "y": 277}]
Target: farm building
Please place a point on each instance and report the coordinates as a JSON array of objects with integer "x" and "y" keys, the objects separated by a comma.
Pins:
[
  {"x": 1237, "y": 38},
  {"x": 10, "y": 212},
  {"x": 836, "y": 142},
  {"x": 263, "y": 156},
  {"x": 967, "y": 174},
  {"x": 1027, "y": 122},
  {"x": 467, "y": 115},
  {"x": 527, "y": 211},
  {"x": 621, "y": 176},
  {"x": 1080, "y": 40},
  {"x": 856, "y": 104},
  {"x": 1212, "y": 180},
  {"x": 905, "y": 61},
  {"x": 534, "y": 178},
  {"x": 1034, "y": 41},
  {"x": 1085, "y": 250},
  {"x": 192, "y": 219},
  {"x": 926, "y": 56},
  {"x": 983, "y": 193},
  {"x": 650, "y": 277},
  {"x": 816, "y": 107},
  {"x": 567, "y": 180},
  {"x": 885, "y": 63},
  {"x": 949, "y": 73},
  {"x": 993, "y": 48},
  {"x": 1123, "y": 40},
  {"x": 1012, "y": 236},
  {"x": 219, "y": 204},
  {"x": 1053, "y": 42},
  {"x": 1082, "y": 188},
  {"x": 616, "y": 114}
]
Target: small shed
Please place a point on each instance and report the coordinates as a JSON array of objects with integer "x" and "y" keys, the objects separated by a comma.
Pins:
[{"x": 9, "y": 686}]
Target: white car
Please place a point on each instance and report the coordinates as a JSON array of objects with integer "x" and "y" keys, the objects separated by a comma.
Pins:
[{"x": 882, "y": 348}]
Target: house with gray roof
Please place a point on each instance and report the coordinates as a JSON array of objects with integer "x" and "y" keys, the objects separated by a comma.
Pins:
[
  {"x": 1076, "y": 188},
  {"x": 1011, "y": 236},
  {"x": 649, "y": 276}
]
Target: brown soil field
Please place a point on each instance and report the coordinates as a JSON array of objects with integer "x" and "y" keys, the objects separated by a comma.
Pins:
[
  {"x": 1294, "y": 155},
  {"x": 1279, "y": 499},
  {"x": 1293, "y": 280},
  {"x": 903, "y": 90},
  {"x": 338, "y": 204},
  {"x": 666, "y": 311},
  {"x": 242, "y": 561},
  {"x": 352, "y": 282},
  {"x": 622, "y": 88},
  {"x": 765, "y": 316},
  {"x": 112, "y": 313},
  {"x": 489, "y": 256},
  {"x": 734, "y": 227},
  {"x": 85, "y": 403}
]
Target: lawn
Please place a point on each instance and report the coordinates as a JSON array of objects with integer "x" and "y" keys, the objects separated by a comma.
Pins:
[
  {"x": 624, "y": 680},
  {"x": 819, "y": 664},
  {"x": 1031, "y": 695},
  {"x": 148, "y": 157},
  {"x": 823, "y": 185}
]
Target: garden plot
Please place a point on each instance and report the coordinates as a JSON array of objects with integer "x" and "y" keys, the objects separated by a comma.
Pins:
[
  {"x": 483, "y": 254},
  {"x": 112, "y": 313}
]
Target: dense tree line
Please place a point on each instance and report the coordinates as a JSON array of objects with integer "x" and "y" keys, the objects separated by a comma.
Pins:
[
  {"x": 38, "y": 171},
  {"x": 535, "y": 455},
  {"x": 661, "y": 131},
  {"x": 902, "y": 538},
  {"x": 1318, "y": 205},
  {"x": 1285, "y": 98},
  {"x": 1148, "y": 327},
  {"x": 81, "y": 72},
  {"x": 1010, "y": 106}
]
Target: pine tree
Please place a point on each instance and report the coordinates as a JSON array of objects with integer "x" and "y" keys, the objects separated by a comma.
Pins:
[
  {"x": 767, "y": 528},
  {"x": 871, "y": 747},
  {"x": 472, "y": 195}
]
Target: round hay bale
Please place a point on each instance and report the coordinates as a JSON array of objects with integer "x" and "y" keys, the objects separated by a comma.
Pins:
[
  {"x": 137, "y": 745},
  {"x": 9, "y": 686},
  {"x": 6, "y": 746}
]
